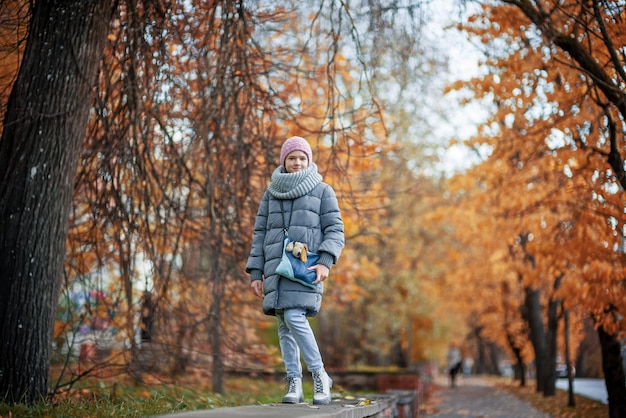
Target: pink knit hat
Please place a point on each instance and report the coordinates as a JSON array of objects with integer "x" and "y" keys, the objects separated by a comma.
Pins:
[{"x": 295, "y": 143}]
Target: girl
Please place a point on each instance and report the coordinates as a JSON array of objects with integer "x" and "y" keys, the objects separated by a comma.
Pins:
[{"x": 299, "y": 203}]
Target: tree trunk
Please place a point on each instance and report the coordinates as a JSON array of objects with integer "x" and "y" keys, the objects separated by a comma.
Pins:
[
  {"x": 44, "y": 128},
  {"x": 571, "y": 400},
  {"x": 215, "y": 328},
  {"x": 613, "y": 373},
  {"x": 549, "y": 376},
  {"x": 481, "y": 362},
  {"x": 549, "y": 388},
  {"x": 532, "y": 314},
  {"x": 520, "y": 368}
]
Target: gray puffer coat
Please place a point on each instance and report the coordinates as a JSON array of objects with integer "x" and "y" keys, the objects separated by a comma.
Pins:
[{"x": 314, "y": 219}]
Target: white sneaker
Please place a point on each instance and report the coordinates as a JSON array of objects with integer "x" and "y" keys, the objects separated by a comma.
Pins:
[
  {"x": 321, "y": 387},
  {"x": 294, "y": 391}
]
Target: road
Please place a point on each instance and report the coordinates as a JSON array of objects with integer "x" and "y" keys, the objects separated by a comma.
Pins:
[{"x": 589, "y": 388}]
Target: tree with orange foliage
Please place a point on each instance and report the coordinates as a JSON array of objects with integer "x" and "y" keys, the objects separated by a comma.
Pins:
[
  {"x": 171, "y": 169},
  {"x": 557, "y": 81},
  {"x": 192, "y": 101}
]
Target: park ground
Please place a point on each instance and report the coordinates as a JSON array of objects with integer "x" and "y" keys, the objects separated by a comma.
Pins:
[{"x": 473, "y": 396}]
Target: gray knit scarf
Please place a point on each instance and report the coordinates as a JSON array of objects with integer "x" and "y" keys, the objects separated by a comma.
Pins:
[{"x": 286, "y": 186}]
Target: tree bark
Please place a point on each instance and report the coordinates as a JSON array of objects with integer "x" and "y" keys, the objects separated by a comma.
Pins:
[
  {"x": 40, "y": 147},
  {"x": 614, "y": 376}
]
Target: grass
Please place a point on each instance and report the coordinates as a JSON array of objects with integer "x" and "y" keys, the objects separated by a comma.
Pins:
[{"x": 106, "y": 399}]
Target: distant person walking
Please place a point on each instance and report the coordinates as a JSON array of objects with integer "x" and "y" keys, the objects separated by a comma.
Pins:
[
  {"x": 299, "y": 203},
  {"x": 454, "y": 363}
]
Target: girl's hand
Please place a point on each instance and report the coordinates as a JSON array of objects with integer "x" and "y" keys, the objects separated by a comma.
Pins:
[
  {"x": 257, "y": 288},
  {"x": 322, "y": 272}
]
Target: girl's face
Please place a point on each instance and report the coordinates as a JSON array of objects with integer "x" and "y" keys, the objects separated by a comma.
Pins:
[{"x": 296, "y": 161}]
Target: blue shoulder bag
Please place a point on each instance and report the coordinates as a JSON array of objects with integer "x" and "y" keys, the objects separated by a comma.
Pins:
[{"x": 292, "y": 267}]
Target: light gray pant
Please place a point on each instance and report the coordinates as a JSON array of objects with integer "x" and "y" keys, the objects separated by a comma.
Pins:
[{"x": 295, "y": 336}]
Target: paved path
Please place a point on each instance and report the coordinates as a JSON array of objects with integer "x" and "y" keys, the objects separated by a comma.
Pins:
[
  {"x": 377, "y": 406},
  {"x": 476, "y": 397}
]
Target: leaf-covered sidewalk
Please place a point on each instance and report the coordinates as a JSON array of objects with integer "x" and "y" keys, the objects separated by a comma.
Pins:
[{"x": 475, "y": 397}]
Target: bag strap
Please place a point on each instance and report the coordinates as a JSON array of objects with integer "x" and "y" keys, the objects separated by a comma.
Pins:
[{"x": 282, "y": 211}]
